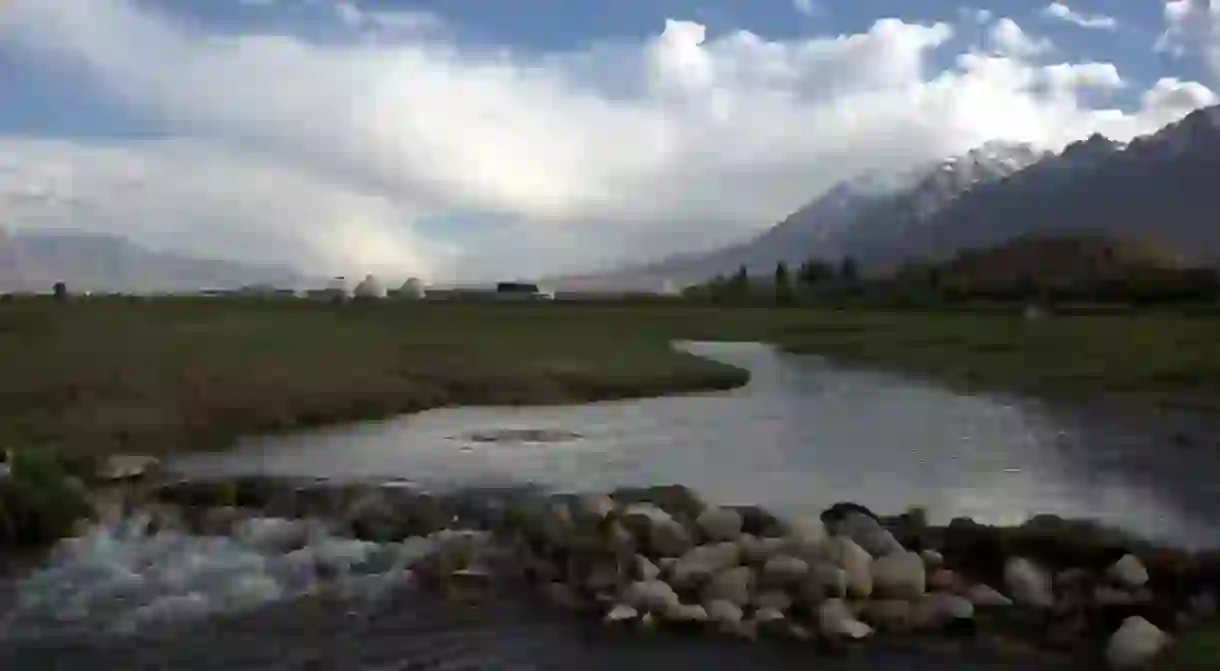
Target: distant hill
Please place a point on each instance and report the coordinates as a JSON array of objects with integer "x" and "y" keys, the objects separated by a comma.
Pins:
[
  {"x": 1159, "y": 189},
  {"x": 34, "y": 260},
  {"x": 863, "y": 212},
  {"x": 1062, "y": 258}
]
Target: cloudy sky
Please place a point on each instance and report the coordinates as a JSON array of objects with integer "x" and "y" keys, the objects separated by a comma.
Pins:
[{"x": 474, "y": 138}]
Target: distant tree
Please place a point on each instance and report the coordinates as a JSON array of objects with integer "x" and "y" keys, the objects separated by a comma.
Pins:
[
  {"x": 814, "y": 271},
  {"x": 60, "y": 290},
  {"x": 741, "y": 282},
  {"x": 783, "y": 284},
  {"x": 848, "y": 270}
]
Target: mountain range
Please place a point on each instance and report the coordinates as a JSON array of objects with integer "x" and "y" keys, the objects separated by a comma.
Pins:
[
  {"x": 1161, "y": 187},
  {"x": 35, "y": 260}
]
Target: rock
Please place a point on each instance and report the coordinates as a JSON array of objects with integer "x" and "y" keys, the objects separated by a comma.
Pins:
[
  {"x": 601, "y": 576},
  {"x": 773, "y": 599},
  {"x": 755, "y": 550},
  {"x": 720, "y": 524},
  {"x": 669, "y": 538},
  {"x": 936, "y": 610},
  {"x": 128, "y": 467},
  {"x": 855, "y": 561},
  {"x": 805, "y": 540},
  {"x": 759, "y": 522},
  {"x": 621, "y": 613},
  {"x": 767, "y": 615},
  {"x": 932, "y": 559},
  {"x": 944, "y": 580},
  {"x": 734, "y": 585},
  {"x": 823, "y": 581},
  {"x": 680, "y": 502},
  {"x": 219, "y": 521},
  {"x": 835, "y": 620},
  {"x": 1136, "y": 643},
  {"x": 783, "y": 571},
  {"x": 644, "y": 569},
  {"x": 701, "y": 563},
  {"x": 983, "y": 596},
  {"x": 564, "y": 596},
  {"x": 894, "y": 615},
  {"x": 899, "y": 575},
  {"x": 868, "y": 534},
  {"x": 834, "y": 514},
  {"x": 723, "y": 613},
  {"x": 648, "y": 622},
  {"x": 684, "y": 613},
  {"x": 1028, "y": 583},
  {"x": 1129, "y": 572},
  {"x": 651, "y": 595}
]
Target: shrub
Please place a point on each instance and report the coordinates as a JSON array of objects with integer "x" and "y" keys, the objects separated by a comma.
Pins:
[{"x": 39, "y": 501}]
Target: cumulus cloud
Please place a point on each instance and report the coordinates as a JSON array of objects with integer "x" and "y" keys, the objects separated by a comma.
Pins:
[
  {"x": 355, "y": 155},
  {"x": 1009, "y": 39},
  {"x": 1062, "y": 12},
  {"x": 1192, "y": 25}
]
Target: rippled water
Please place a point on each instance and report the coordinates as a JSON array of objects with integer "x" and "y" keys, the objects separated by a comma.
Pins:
[{"x": 803, "y": 434}]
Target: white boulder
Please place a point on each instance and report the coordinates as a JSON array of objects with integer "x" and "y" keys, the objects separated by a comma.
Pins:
[
  {"x": 784, "y": 570},
  {"x": 723, "y": 613},
  {"x": 824, "y": 581},
  {"x": 935, "y": 610},
  {"x": 1136, "y": 643},
  {"x": 702, "y": 562},
  {"x": 805, "y": 539},
  {"x": 900, "y": 575},
  {"x": 836, "y": 620},
  {"x": 645, "y": 569},
  {"x": 1028, "y": 583},
  {"x": 1129, "y": 572},
  {"x": 621, "y": 613},
  {"x": 773, "y": 599},
  {"x": 668, "y": 538},
  {"x": 755, "y": 550},
  {"x": 869, "y": 534},
  {"x": 649, "y": 595},
  {"x": 855, "y": 562},
  {"x": 681, "y": 612},
  {"x": 720, "y": 524},
  {"x": 932, "y": 559},
  {"x": 734, "y": 585}
]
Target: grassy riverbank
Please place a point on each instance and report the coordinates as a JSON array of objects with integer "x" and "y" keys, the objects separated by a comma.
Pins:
[{"x": 110, "y": 375}]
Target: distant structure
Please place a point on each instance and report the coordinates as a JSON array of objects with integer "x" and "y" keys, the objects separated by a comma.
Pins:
[
  {"x": 370, "y": 288},
  {"x": 412, "y": 290},
  {"x": 522, "y": 291}
]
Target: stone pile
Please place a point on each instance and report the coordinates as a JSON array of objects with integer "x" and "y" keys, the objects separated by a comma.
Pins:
[{"x": 661, "y": 558}]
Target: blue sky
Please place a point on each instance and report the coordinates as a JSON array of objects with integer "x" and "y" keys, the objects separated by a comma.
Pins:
[{"x": 437, "y": 135}]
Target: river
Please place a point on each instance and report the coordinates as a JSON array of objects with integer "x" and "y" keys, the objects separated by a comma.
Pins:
[{"x": 804, "y": 433}]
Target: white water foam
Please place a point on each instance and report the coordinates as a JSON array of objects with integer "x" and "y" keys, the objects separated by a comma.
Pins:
[{"x": 119, "y": 578}]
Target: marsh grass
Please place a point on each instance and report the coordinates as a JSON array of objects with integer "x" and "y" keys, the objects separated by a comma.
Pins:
[{"x": 154, "y": 375}]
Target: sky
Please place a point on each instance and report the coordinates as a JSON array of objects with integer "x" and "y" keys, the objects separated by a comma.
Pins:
[{"x": 476, "y": 139}]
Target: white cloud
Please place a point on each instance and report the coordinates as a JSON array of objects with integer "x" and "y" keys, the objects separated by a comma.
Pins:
[
  {"x": 338, "y": 155},
  {"x": 1062, "y": 12},
  {"x": 1193, "y": 25},
  {"x": 805, "y": 7},
  {"x": 1008, "y": 39}
]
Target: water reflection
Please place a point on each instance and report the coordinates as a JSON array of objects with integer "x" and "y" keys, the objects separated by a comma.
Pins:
[{"x": 804, "y": 433}]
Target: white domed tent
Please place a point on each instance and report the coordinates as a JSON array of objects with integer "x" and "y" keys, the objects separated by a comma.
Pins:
[
  {"x": 412, "y": 289},
  {"x": 370, "y": 287}
]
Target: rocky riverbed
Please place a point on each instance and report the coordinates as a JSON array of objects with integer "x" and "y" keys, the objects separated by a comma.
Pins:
[{"x": 641, "y": 562}]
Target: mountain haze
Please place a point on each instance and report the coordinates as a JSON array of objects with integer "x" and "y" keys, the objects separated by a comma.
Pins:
[{"x": 35, "y": 260}]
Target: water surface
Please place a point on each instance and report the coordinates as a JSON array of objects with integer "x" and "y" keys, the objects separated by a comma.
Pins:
[{"x": 801, "y": 435}]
